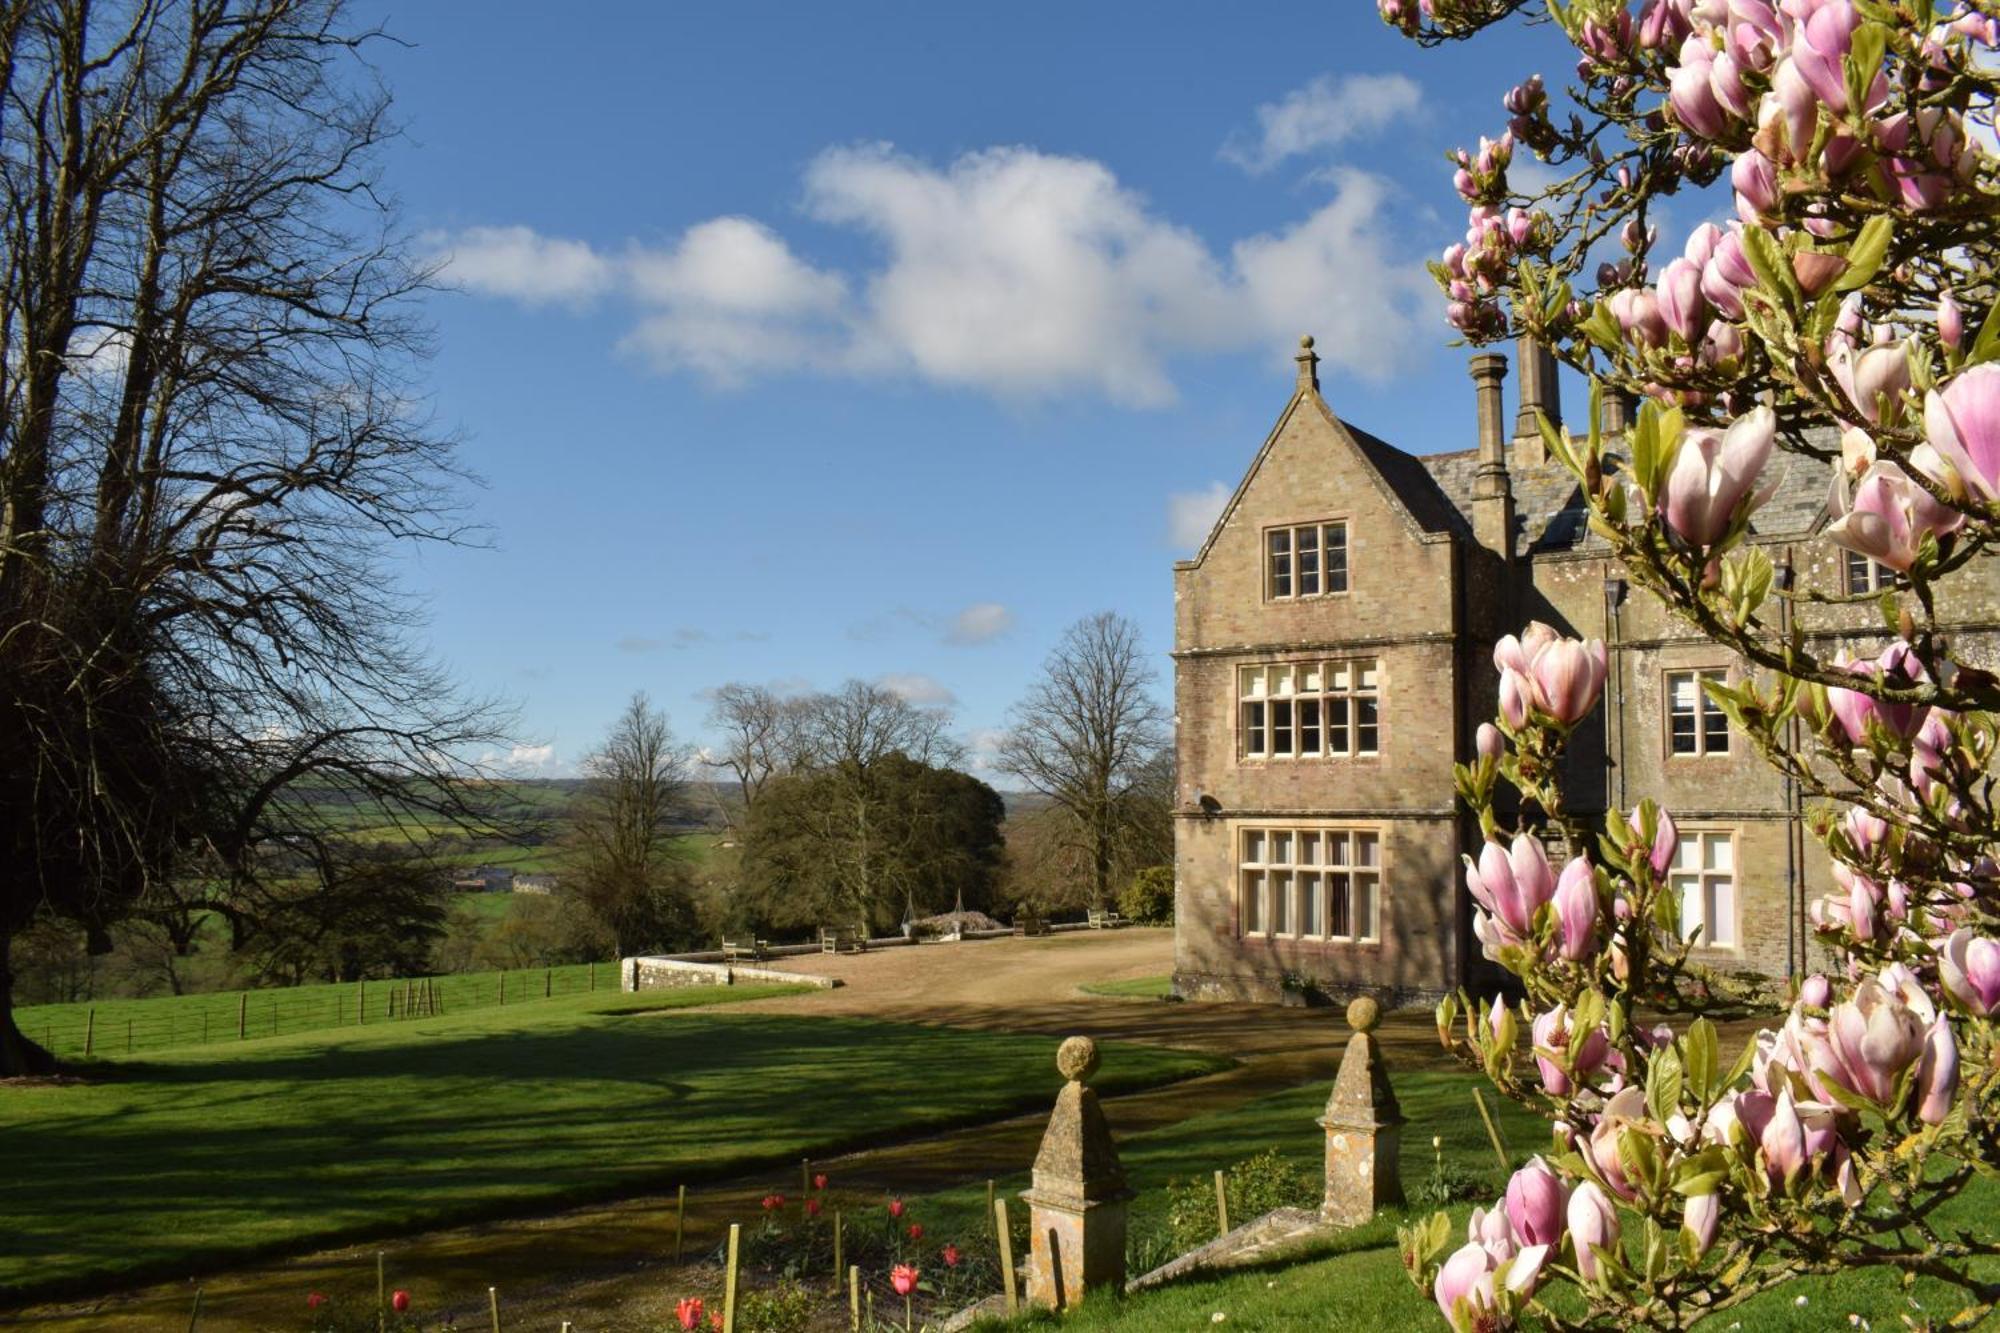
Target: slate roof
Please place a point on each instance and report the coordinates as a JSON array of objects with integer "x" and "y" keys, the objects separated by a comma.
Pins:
[{"x": 1548, "y": 504}]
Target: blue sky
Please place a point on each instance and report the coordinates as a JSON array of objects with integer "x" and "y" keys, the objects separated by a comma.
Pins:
[{"x": 801, "y": 342}]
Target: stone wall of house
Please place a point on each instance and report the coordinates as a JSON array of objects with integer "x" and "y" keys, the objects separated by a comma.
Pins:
[{"x": 1397, "y": 613}]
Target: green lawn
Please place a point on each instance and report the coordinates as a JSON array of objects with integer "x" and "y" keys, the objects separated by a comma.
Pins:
[
  {"x": 1144, "y": 988},
  {"x": 172, "y": 1021},
  {"x": 204, "y": 1155}
]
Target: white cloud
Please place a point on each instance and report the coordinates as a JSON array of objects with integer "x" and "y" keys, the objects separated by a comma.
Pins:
[
  {"x": 638, "y": 643},
  {"x": 916, "y": 688},
  {"x": 519, "y": 263},
  {"x": 1326, "y": 112},
  {"x": 1335, "y": 274},
  {"x": 980, "y": 622},
  {"x": 1190, "y": 515},
  {"x": 1009, "y": 271},
  {"x": 523, "y": 761}
]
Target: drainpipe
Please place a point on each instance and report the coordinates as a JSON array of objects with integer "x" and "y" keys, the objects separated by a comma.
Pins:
[
  {"x": 1614, "y": 693},
  {"x": 1794, "y": 884}
]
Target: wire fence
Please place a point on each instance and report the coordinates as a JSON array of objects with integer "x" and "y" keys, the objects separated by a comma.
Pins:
[{"x": 110, "y": 1029}]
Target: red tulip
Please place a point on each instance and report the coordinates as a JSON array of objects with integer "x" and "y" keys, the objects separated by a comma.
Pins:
[
  {"x": 688, "y": 1308},
  {"x": 903, "y": 1277},
  {"x": 916, "y": 1231},
  {"x": 773, "y": 1202},
  {"x": 715, "y": 1321},
  {"x": 399, "y": 1300},
  {"x": 314, "y": 1300},
  {"x": 812, "y": 1207},
  {"x": 819, "y": 1181},
  {"x": 950, "y": 1256},
  {"x": 895, "y": 1207}
]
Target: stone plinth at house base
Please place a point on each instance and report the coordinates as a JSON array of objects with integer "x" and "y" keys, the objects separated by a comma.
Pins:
[
  {"x": 1077, "y": 1205},
  {"x": 1363, "y": 1127}
]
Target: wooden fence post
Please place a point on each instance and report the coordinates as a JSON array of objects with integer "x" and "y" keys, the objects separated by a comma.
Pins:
[
  {"x": 1006, "y": 1256},
  {"x": 361, "y": 1003},
  {"x": 548, "y": 982},
  {"x": 242, "y": 1015},
  {"x": 1221, "y": 1205},
  {"x": 90, "y": 1030},
  {"x": 729, "y": 1281},
  {"x": 680, "y": 1219},
  {"x": 493, "y": 1304},
  {"x": 381, "y": 1296},
  {"x": 854, "y": 1299}
]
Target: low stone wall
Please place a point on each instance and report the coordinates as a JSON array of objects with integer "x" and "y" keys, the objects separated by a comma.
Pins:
[
  {"x": 637, "y": 974},
  {"x": 1265, "y": 990}
]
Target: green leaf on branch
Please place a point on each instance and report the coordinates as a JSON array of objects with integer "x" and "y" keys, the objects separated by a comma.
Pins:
[
  {"x": 1864, "y": 61},
  {"x": 1986, "y": 344},
  {"x": 1702, "y": 1056},
  {"x": 1870, "y": 248},
  {"x": 1773, "y": 269},
  {"x": 1664, "y": 1079},
  {"x": 1601, "y": 328}
]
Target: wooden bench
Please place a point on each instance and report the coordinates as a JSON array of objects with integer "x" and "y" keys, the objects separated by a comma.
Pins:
[
  {"x": 745, "y": 951},
  {"x": 1030, "y": 923},
  {"x": 1105, "y": 920},
  {"x": 843, "y": 939}
]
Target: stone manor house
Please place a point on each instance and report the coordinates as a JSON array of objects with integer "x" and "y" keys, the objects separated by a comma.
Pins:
[{"x": 1333, "y": 657}]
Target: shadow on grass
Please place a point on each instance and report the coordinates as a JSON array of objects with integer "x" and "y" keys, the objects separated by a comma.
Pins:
[{"x": 185, "y": 1165}]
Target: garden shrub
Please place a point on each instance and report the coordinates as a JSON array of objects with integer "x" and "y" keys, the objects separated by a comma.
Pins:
[{"x": 1149, "y": 898}]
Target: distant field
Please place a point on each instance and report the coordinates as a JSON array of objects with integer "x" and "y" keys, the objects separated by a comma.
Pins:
[
  {"x": 201, "y": 1156},
  {"x": 169, "y": 1021}
]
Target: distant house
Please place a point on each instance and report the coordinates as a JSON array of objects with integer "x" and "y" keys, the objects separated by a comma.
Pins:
[
  {"x": 535, "y": 883},
  {"x": 465, "y": 884},
  {"x": 495, "y": 879}
]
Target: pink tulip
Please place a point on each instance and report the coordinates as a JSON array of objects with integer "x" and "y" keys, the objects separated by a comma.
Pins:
[
  {"x": 1593, "y": 1226},
  {"x": 1937, "y": 1073},
  {"x": 903, "y": 1278},
  {"x": 1713, "y": 477},
  {"x": 1969, "y": 967},
  {"x": 1576, "y": 909},
  {"x": 1681, "y": 303},
  {"x": 1536, "y": 1197},
  {"x": 1963, "y": 423},
  {"x": 1885, "y": 516},
  {"x": 1489, "y": 742},
  {"x": 1701, "y": 1217}
]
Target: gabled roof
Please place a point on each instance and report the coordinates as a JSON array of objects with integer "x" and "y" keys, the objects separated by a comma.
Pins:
[{"x": 1398, "y": 477}]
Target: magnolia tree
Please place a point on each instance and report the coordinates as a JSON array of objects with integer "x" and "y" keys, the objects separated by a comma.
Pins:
[{"x": 1846, "y": 312}]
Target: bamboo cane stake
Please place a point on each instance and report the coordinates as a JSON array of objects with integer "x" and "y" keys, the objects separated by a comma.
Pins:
[
  {"x": 1006, "y": 1256},
  {"x": 729, "y": 1281},
  {"x": 1221, "y": 1204}
]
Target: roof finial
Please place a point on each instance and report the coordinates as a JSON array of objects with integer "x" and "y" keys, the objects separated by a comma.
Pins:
[{"x": 1308, "y": 361}]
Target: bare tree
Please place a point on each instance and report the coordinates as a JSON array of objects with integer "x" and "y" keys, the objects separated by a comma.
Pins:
[
  {"x": 210, "y": 431},
  {"x": 1089, "y": 736},
  {"x": 625, "y": 827},
  {"x": 760, "y": 731}
]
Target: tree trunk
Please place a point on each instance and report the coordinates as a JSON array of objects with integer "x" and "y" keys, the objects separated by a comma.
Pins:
[{"x": 18, "y": 1055}]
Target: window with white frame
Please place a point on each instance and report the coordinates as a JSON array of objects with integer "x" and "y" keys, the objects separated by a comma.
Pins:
[
  {"x": 1866, "y": 575},
  {"x": 1305, "y": 560},
  {"x": 1704, "y": 875},
  {"x": 1311, "y": 883},
  {"x": 1695, "y": 726},
  {"x": 1309, "y": 710}
]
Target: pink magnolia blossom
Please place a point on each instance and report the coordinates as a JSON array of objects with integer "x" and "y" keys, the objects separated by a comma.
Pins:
[
  {"x": 1714, "y": 477},
  {"x": 1626, "y": 1109},
  {"x": 1512, "y": 884},
  {"x": 1885, "y": 516},
  {"x": 1666, "y": 838},
  {"x": 1937, "y": 1073},
  {"x": 1701, "y": 1217},
  {"x": 1816, "y": 991},
  {"x": 1576, "y": 909},
  {"x": 1962, "y": 422},
  {"x": 1872, "y": 1038},
  {"x": 1489, "y": 743},
  {"x": 1950, "y": 322},
  {"x": 1681, "y": 303},
  {"x": 1536, "y": 1197},
  {"x": 1871, "y": 378},
  {"x": 1552, "y": 1036},
  {"x": 1593, "y": 1226},
  {"x": 1969, "y": 967},
  {"x": 1898, "y": 666},
  {"x": 1544, "y": 673}
]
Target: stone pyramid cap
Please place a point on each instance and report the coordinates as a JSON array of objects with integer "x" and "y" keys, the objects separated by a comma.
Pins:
[
  {"x": 1078, "y": 1161},
  {"x": 1362, "y": 1097}
]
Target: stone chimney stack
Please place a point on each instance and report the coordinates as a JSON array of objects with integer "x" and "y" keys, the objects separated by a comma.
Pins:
[
  {"x": 1492, "y": 490},
  {"x": 1620, "y": 412},
  {"x": 1540, "y": 392}
]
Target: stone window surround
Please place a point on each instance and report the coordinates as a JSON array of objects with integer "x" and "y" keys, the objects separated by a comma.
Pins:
[
  {"x": 1240, "y": 739},
  {"x": 1874, "y": 576},
  {"x": 1707, "y": 944},
  {"x": 1267, "y": 575},
  {"x": 1381, "y": 871},
  {"x": 1703, "y": 707}
]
